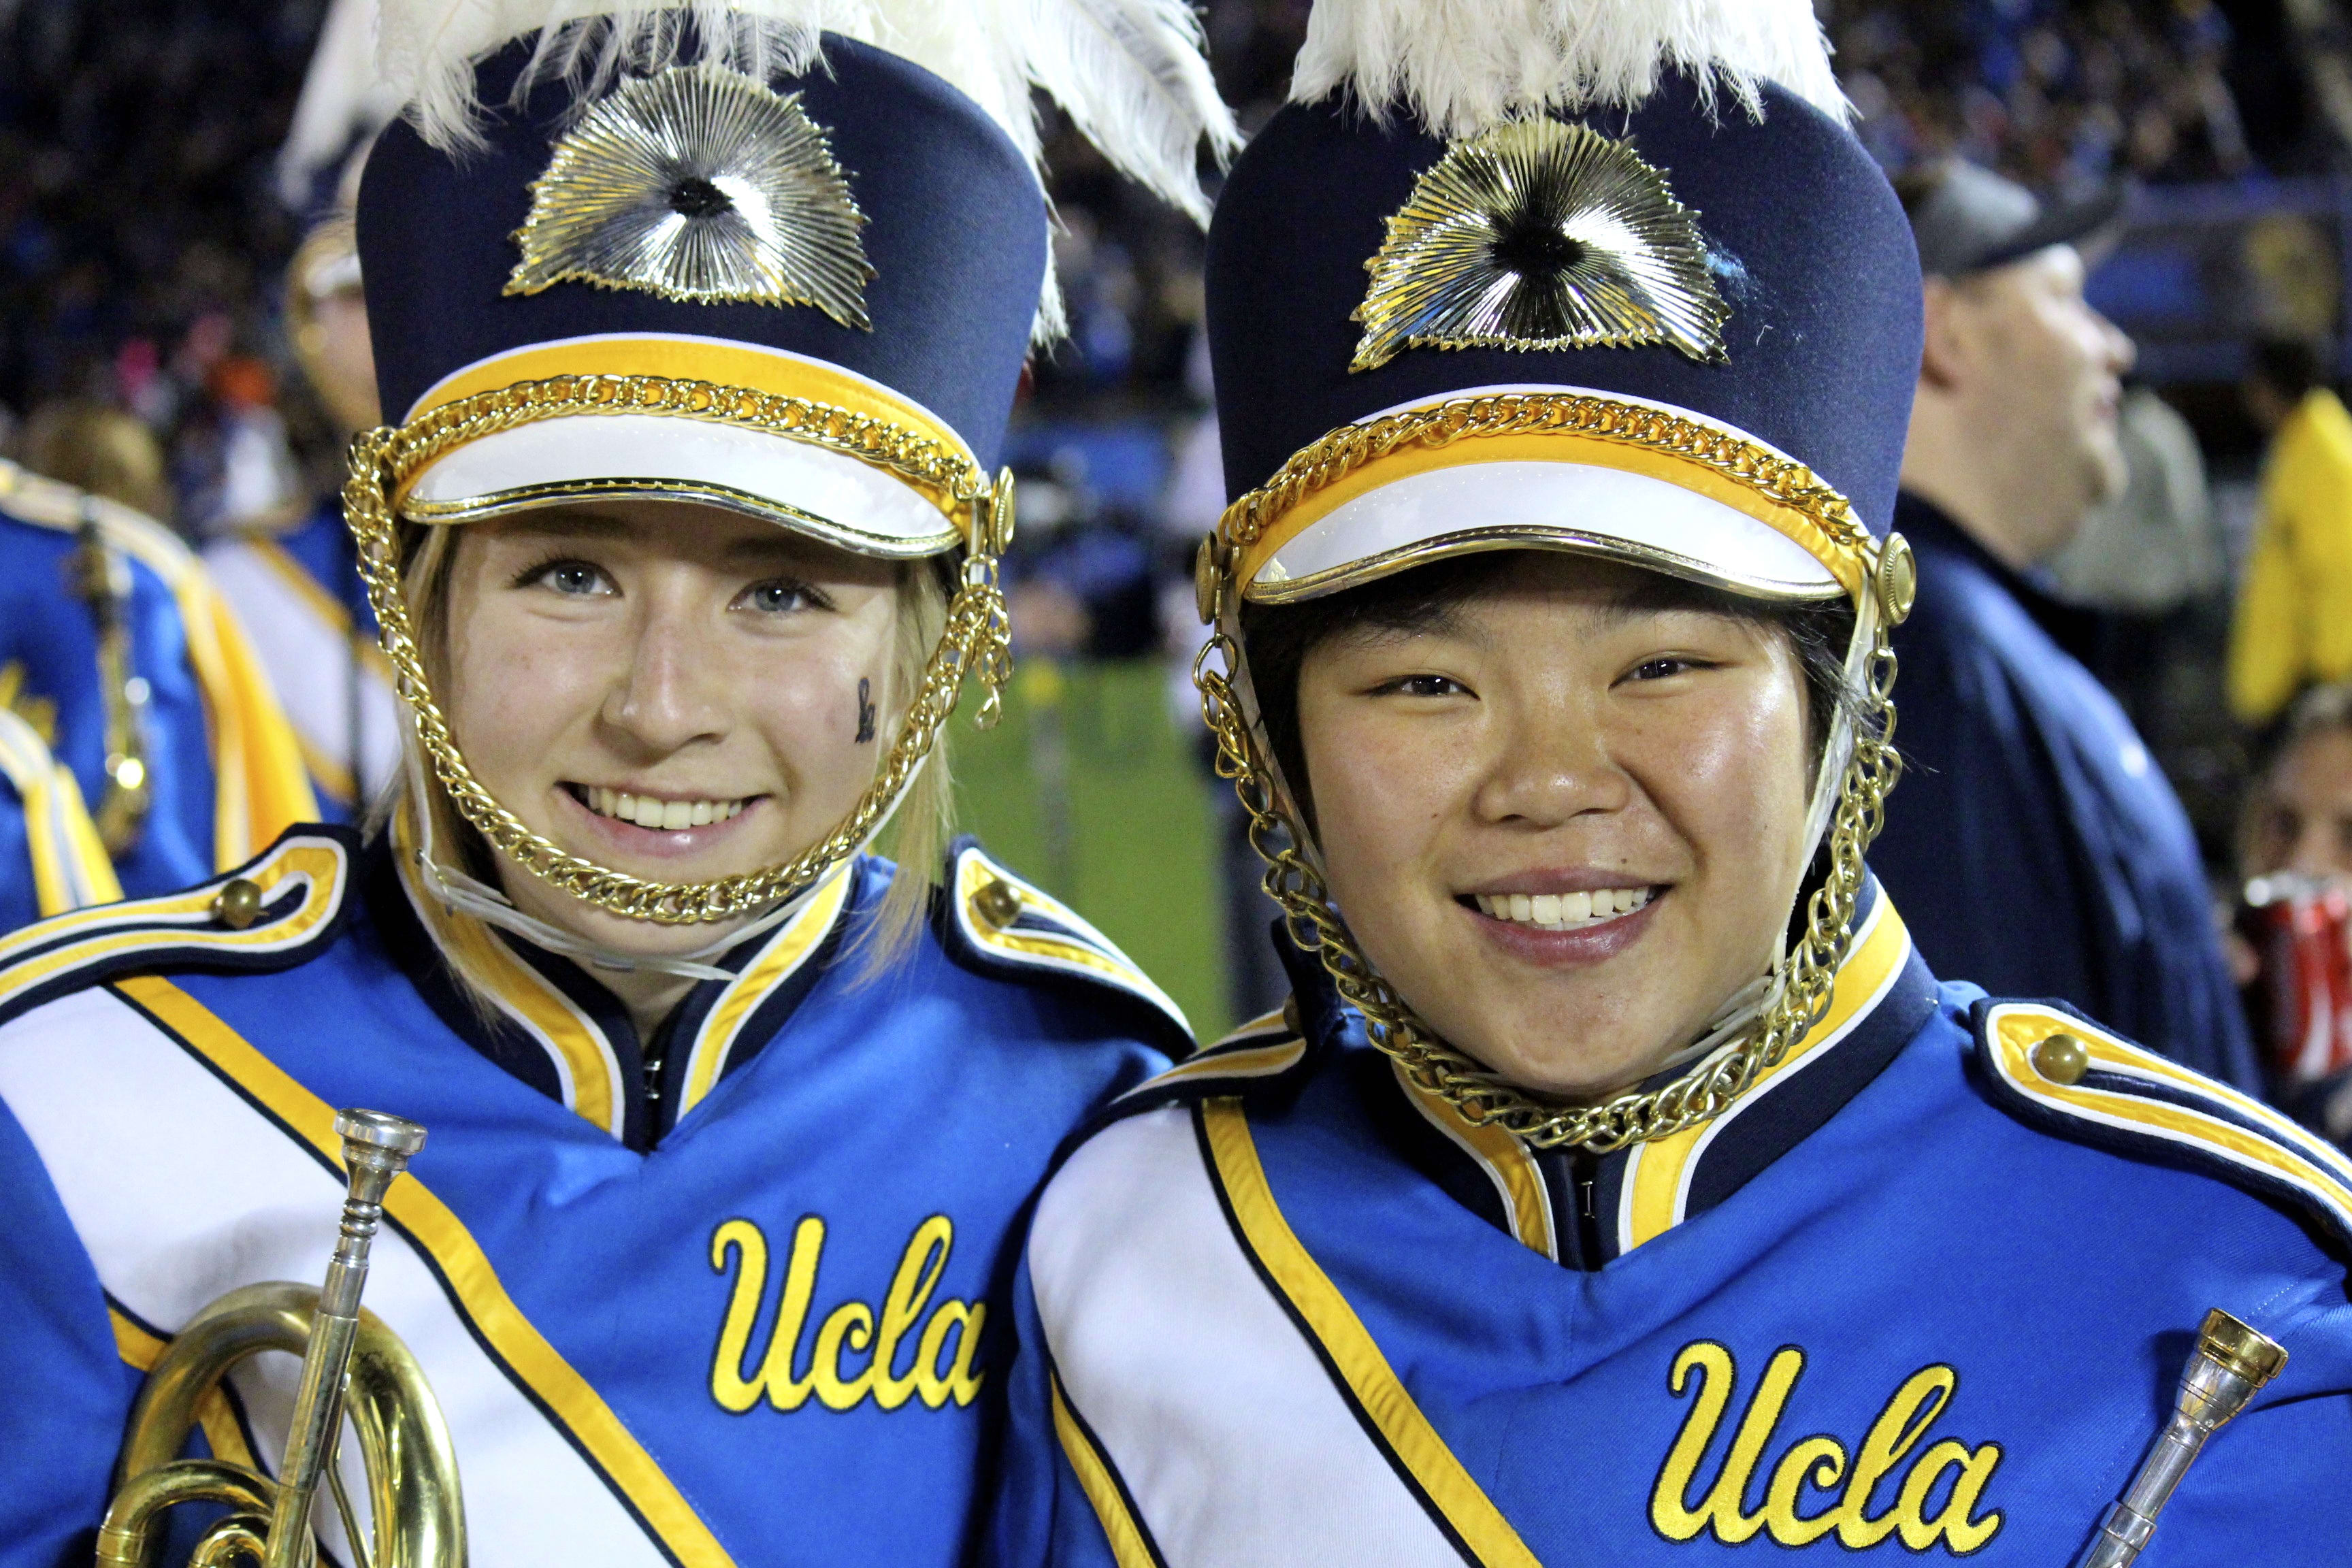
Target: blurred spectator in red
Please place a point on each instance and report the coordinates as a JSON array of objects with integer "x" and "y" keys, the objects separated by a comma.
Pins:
[
  {"x": 2294, "y": 621},
  {"x": 2293, "y": 945}
]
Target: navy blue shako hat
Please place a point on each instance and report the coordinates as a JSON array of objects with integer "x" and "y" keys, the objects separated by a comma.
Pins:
[
  {"x": 720, "y": 255},
  {"x": 851, "y": 239},
  {"x": 1698, "y": 242}
]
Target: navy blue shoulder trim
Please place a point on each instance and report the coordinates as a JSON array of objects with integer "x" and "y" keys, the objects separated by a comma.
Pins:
[
  {"x": 995, "y": 924},
  {"x": 2055, "y": 1071},
  {"x": 303, "y": 886}
]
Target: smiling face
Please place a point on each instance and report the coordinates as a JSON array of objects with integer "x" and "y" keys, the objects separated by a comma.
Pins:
[
  {"x": 666, "y": 690},
  {"x": 1567, "y": 825}
]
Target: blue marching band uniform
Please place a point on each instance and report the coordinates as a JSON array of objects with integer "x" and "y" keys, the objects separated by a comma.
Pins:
[
  {"x": 130, "y": 693},
  {"x": 1925, "y": 1285},
  {"x": 736, "y": 1293},
  {"x": 778, "y": 1285}
]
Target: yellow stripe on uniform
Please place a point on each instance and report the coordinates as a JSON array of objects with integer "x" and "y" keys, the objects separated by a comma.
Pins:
[
  {"x": 777, "y": 962},
  {"x": 1084, "y": 948},
  {"x": 582, "y": 1057},
  {"x": 70, "y": 868},
  {"x": 141, "y": 1349},
  {"x": 1349, "y": 1346},
  {"x": 332, "y": 612},
  {"x": 1129, "y": 1547},
  {"x": 1246, "y": 1061},
  {"x": 2281, "y": 1151},
  {"x": 496, "y": 1321},
  {"x": 259, "y": 785},
  {"x": 1526, "y": 1202},
  {"x": 179, "y": 921},
  {"x": 1657, "y": 1173}
]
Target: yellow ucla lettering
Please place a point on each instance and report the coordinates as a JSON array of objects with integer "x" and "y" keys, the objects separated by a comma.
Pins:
[
  {"x": 1819, "y": 1462},
  {"x": 1707, "y": 1372},
  {"x": 728, "y": 1386},
  {"x": 850, "y": 1330},
  {"x": 1955, "y": 1525},
  {"x": 1899, "y": 1426},
  {"x": 925, "y": 1259}
]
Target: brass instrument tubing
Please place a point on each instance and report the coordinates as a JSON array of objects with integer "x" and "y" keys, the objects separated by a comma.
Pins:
[
  {"x": 98, "y": 579},
  {"x": 376, "y": 1149},
  {"x": 2232, "y": 1362}
]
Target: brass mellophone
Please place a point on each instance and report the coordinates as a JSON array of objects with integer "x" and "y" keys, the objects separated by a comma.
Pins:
[
  {"x": 2231, "y": 1364},
  {"x": 351, "y": 1365}
]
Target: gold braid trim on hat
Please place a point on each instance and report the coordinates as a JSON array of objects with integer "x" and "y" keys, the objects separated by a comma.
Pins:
[
  {"x": 977, "y": 639},
  {"x": 1801, "y": 998},
  {"x": 1747, "y": 464}
]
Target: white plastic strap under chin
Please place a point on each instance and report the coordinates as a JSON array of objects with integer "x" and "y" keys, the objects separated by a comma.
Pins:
[{"x": 473, "y": 897}]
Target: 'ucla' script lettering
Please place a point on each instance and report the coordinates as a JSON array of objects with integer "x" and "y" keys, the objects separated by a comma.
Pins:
[
  {"x": 905, "y": 1354},
  {"x": 1844, "y": 1481}
]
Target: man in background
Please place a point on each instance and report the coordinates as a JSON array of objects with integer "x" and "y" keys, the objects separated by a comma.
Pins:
[
  {"x": 2039, "y": 850},
  {"x": 2294, "y": 621}
]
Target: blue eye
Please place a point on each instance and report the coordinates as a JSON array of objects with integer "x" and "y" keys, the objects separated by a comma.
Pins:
[
  {"x": 572, "y": 579},
  {"x": 780, "y": 596}
]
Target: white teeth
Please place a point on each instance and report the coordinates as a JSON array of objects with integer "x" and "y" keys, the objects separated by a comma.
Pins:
[
  {"x": 1560, "y": 912},
  {"x": 669, "y": 816}
]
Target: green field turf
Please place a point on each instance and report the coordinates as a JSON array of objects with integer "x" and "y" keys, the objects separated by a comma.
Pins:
[{"x": 1088, "y": 788}]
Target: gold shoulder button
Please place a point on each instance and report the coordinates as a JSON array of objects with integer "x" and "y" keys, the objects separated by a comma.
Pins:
[
  {"x": 997, "y": 902},
  {"x": 2061, "y": 1059},
  {"x": 238, "y": 903}
]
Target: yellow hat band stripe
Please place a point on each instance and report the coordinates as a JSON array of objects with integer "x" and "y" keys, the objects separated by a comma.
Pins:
[
  {"x": 1577, "y": 428},
  {"x": 705, "y": 360}
]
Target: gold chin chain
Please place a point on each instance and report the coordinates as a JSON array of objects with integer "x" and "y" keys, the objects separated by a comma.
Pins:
[
  {"x": 1474, "y": 1088},
  {"x": 977, "y": 640}
]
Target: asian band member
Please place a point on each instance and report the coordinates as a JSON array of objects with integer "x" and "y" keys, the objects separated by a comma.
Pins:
[
  {"x": 1618, "y": 1185},
  {"x": 701, "y": 329}
]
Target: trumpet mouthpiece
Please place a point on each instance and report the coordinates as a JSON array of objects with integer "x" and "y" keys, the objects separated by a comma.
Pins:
[
  {"x": 2239, "y": 1350},
  {"x": 2231, "y": 1364},
  {"x": 375, "y": 1129}
]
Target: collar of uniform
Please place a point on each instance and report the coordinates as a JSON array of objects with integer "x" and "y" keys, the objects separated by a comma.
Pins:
[
  {"x": 1932, "y": 531},
  {"x": 551, "y": 1025},
  {"x": 1584, "y": 1210}
]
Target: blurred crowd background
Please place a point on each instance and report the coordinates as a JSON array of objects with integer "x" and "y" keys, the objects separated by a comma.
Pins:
[{"x": 145, "y": 234}]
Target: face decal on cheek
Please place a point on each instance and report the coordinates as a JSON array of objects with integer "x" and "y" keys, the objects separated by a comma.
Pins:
[{"x": 864, "y": 711}]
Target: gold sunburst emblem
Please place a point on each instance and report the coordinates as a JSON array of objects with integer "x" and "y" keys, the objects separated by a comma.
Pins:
[
  {"x": 699, "y": 183},
  {"x": 1538, "y": 235}
]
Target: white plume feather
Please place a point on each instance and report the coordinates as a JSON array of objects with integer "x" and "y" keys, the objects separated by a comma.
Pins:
[
  {"x": 1461, "y": 66},
  {"x": 1129, "y": 73}
]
